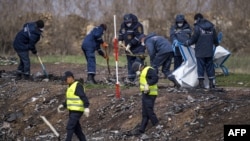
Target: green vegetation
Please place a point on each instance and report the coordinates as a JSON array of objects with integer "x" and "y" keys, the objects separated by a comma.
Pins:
[
  {"x": 238, "y": 66},
  {"x": 239, "y": 75},
  {"x": 78, "y": 59},
  {"x": 233, "y": 80},
  {"x": 235, "y": 64}
]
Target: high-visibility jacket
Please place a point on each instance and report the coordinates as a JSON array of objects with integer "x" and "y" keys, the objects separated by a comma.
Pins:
[
  {"x": 74, "y": 103},
  {"x": 153, "y": 89}
]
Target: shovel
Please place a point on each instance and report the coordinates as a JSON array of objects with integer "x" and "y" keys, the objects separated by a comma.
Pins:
[
  {"x": 43, "y": 67},
  {"x": 107, "y": 58}
]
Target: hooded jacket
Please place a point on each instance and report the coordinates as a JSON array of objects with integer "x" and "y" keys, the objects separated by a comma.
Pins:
[
  {"x": 204, "y": 38},
  {"x": 181, "y": 34},
  {"x": 157, "y": 45},
  {"x": 27, "y": 38}
]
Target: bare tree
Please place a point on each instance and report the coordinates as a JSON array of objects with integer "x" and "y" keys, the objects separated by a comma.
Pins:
[{"x": 66, "y": 20}]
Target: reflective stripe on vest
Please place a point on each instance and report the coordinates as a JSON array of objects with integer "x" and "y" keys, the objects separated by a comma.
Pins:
[
  {"x": 153, "y": 89},
  {"x": 74, "y": 103}
]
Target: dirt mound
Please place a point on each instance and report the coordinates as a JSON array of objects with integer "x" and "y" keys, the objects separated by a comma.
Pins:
[{"x": 184, "y": 114}]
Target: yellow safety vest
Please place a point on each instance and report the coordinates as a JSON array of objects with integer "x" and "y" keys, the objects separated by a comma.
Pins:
[
  {"x": 74, "y": 103},
  {"x": 153, "y": 89}
]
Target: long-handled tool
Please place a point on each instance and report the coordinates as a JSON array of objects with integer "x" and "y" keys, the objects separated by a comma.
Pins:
[
  {"x": 107, "y": 58},
  {"x": 137, "y": 55},
  {"x": 116, "y": 61},
  {"x": 43, "y": 67},
  {"x": 124, "y": 47},
  {"x": 50, "y": 126}
]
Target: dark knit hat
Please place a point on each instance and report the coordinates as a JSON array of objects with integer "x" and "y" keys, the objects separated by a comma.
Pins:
[
  {"x": 136, "y": 66},
  {"x": 67, "y": 74},
  {"x": 198, "y": 16},
  {"x": 104, "y": 26},
  {"x": 40, "y": 24}
]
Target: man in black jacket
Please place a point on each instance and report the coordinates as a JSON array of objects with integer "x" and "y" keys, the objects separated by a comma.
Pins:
[{"x": 204, "y": 38}]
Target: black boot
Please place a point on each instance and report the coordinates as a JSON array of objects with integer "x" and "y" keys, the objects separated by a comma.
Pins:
[
  {"x": 201, "y": 84},
  {"x": 211, "y": 84},
  {"x": 176, "y": 84},
  {"x": 26, "y": 76},
  {"x": 18, "y": 76},
  {"x": 91, "y": 79},
  {"x": 172, "y": 78}
]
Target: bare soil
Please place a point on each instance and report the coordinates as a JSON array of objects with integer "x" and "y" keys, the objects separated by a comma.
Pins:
[{"x": 184, "y": 114}]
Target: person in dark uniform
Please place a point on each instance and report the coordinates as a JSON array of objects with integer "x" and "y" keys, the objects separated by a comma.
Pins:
[
  {"x": 179, "y": 33},
  {"x": 149, "y": 90},
  {"x": 204, "y": 38},
  {"x": 129, "y": 34},
  {"x": 160, "y": 52},
  {"x": 24, "y": 42},
  {"x": 77, "y": 103},
  {"x": 90, "y": 44}
]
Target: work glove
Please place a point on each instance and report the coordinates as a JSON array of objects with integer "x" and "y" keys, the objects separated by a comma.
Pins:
[
  {"x": 34, "y": 51},
  {"x": 104, "y": 45},
  {"x": 101, "y": 53},
  {"x": 175, "y": 43},
  {"x": 59, "y": 108},
  {"x": 86, "y": 112},
  {"x": 138, "y": 73},
  {"x": 120, "y": 43},
  {"x": 146, "y": 88},
  {"x": 128, "y": 48}
]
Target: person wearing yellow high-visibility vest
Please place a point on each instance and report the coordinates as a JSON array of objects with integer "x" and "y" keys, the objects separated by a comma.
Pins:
[
  {"x": 77, "y": 103},
  {"x": 149, "y": 89}
]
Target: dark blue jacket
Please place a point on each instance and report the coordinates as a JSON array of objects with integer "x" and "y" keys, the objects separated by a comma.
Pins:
[
  {"x": 93, "y": 40},
  {"x": 157, "y": 45},
  {"x": 27, "y": 38},
  {"x": 204, "y": 38},
  {"x": 130, "y": 35},
  {"x": 180, "y": 34}
]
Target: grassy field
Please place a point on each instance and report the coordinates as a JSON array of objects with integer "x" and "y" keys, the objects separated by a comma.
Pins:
[{"x": 238, "y": 66}]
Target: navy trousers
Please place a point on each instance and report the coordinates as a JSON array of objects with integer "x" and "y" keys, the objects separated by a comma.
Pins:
[
  {"x": 131, "y": 59},
  {"x": 205, "y": 65},
  {"x": 24, "y": 65},
  {"x": 177, "y": 61},
  {"x": 91, "y": 61},
  {"x": 163, "y": 60},
  {"x": 148, "y": 103},
  {"x": 74, "y": 126}
]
